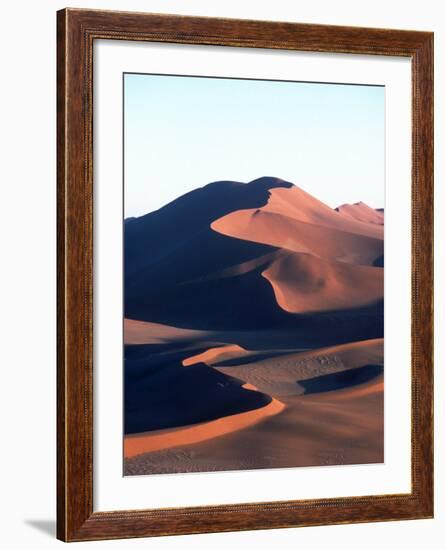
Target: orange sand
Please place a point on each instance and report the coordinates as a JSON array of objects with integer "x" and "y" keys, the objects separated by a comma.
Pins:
[
  {"x": 362, "y": 212},
  {"x": 303, "y": 283},
  {"x": 291, "y": 234},
  {"x": 177, "y": 437},
  {"x": 215, "y": 355},
  {"x": 294, "y": 220},
  {"x": 331, "y": 428},
  {"x": 323, "y": 263}
]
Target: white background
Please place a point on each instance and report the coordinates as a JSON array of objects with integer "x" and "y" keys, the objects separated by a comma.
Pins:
[{"x": 28, "y": 270}]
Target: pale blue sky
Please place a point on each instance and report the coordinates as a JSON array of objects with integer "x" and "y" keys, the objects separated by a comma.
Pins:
[{"x": 184, "y": 132}]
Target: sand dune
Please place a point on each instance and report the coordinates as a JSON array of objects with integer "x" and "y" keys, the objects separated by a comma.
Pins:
[
  {"x": 296, "y": 203},
  {"x": 308, "y": 331},
  {"x": 304, "y": 283},
  {"x": 177, "y": 234},
  {"x": 140, "y": 332},
  {"x": 253, "y": 331},
  {"x": 178, "y": 437},
  {"x": 197, "y": 238},
  {"x": 197, "y": 270},
  {"x": 362, "y": 212},
  {"x": 375, "y": 387},
  {"x": 293, "y": 220},
  {"x": 208, "y": 302},
  {"x": 334, "y": 428},
  {"x": 283, "y": 215},
  {"x": 230, "y": 354},
  {"x": 274, "y": 229},
  {"x": 279, "y": 375},
  {"x": 215, "y": 355},
  {"x": 161, "y": 393}
]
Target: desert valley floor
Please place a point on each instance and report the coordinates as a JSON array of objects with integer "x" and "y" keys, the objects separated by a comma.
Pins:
[{"x": 253, "y": 332}]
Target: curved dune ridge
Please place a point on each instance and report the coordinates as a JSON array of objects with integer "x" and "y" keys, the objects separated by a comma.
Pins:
[
  {"x": 338, "y": 427},
  {"x": 177, "y": 437},
  {"x": 290, "y": 205},
  {"x": 304, "y": 283},
  {"x": 351, "y": 353},
  {"x": 214, "y": 355},
  {"x": 335, "y": 250},
  {"x": 264, "y": 227},
  {"x": 334, "y": 428},
  {"x": 253, "y": 331},
  {"x": 296, "y": 203}
]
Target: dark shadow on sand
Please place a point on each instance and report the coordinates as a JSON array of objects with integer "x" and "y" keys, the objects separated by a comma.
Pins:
[
  {"x": 161, "y": 393},
  {"x": 341, "y": 380}
]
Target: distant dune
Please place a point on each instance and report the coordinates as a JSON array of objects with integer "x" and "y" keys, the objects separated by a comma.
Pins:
[
  {"x": 138, "y": 332},
  {"x": 362, "y": 212},
  {"x": 253, "y": 331}
]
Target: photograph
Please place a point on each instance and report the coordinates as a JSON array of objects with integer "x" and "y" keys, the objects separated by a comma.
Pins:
[{"x": 253, "y": 274}]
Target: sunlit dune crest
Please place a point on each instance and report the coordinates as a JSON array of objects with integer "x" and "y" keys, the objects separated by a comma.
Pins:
[
  {"x": 296, "y": 203},
  {"x": 293, "y": 220},
  {"x": 362, "y": 212},
  {"x": 290, "y": 205},
  {"x": 177, "y": 437},
  {"x": 304, "y": 283},
  {"x": 213, "y": 355}
]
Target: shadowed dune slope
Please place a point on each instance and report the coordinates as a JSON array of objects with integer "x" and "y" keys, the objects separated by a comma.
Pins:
[
  {"x": 319, "y": 429},
  {"x": 251, "y": 301},
  {"x": 169, "y": 247},
  {"x": 341, "y": 380},
  {"x": 152, "y": 238},
  {"x": 160, "y": 393},
  {"x": 311, "y": 331},
  {"x": 182, "y": 270},
  {"x": 151, "y": 441}
]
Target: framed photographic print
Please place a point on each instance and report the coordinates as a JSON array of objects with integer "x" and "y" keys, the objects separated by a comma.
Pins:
[{"x": 245, "y": 228}]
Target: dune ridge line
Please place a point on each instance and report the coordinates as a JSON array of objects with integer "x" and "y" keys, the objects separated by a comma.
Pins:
[{"x": 177, "y": 437}]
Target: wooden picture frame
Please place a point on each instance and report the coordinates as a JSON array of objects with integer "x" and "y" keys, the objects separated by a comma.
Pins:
[{"x": 77, "y": 31}]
